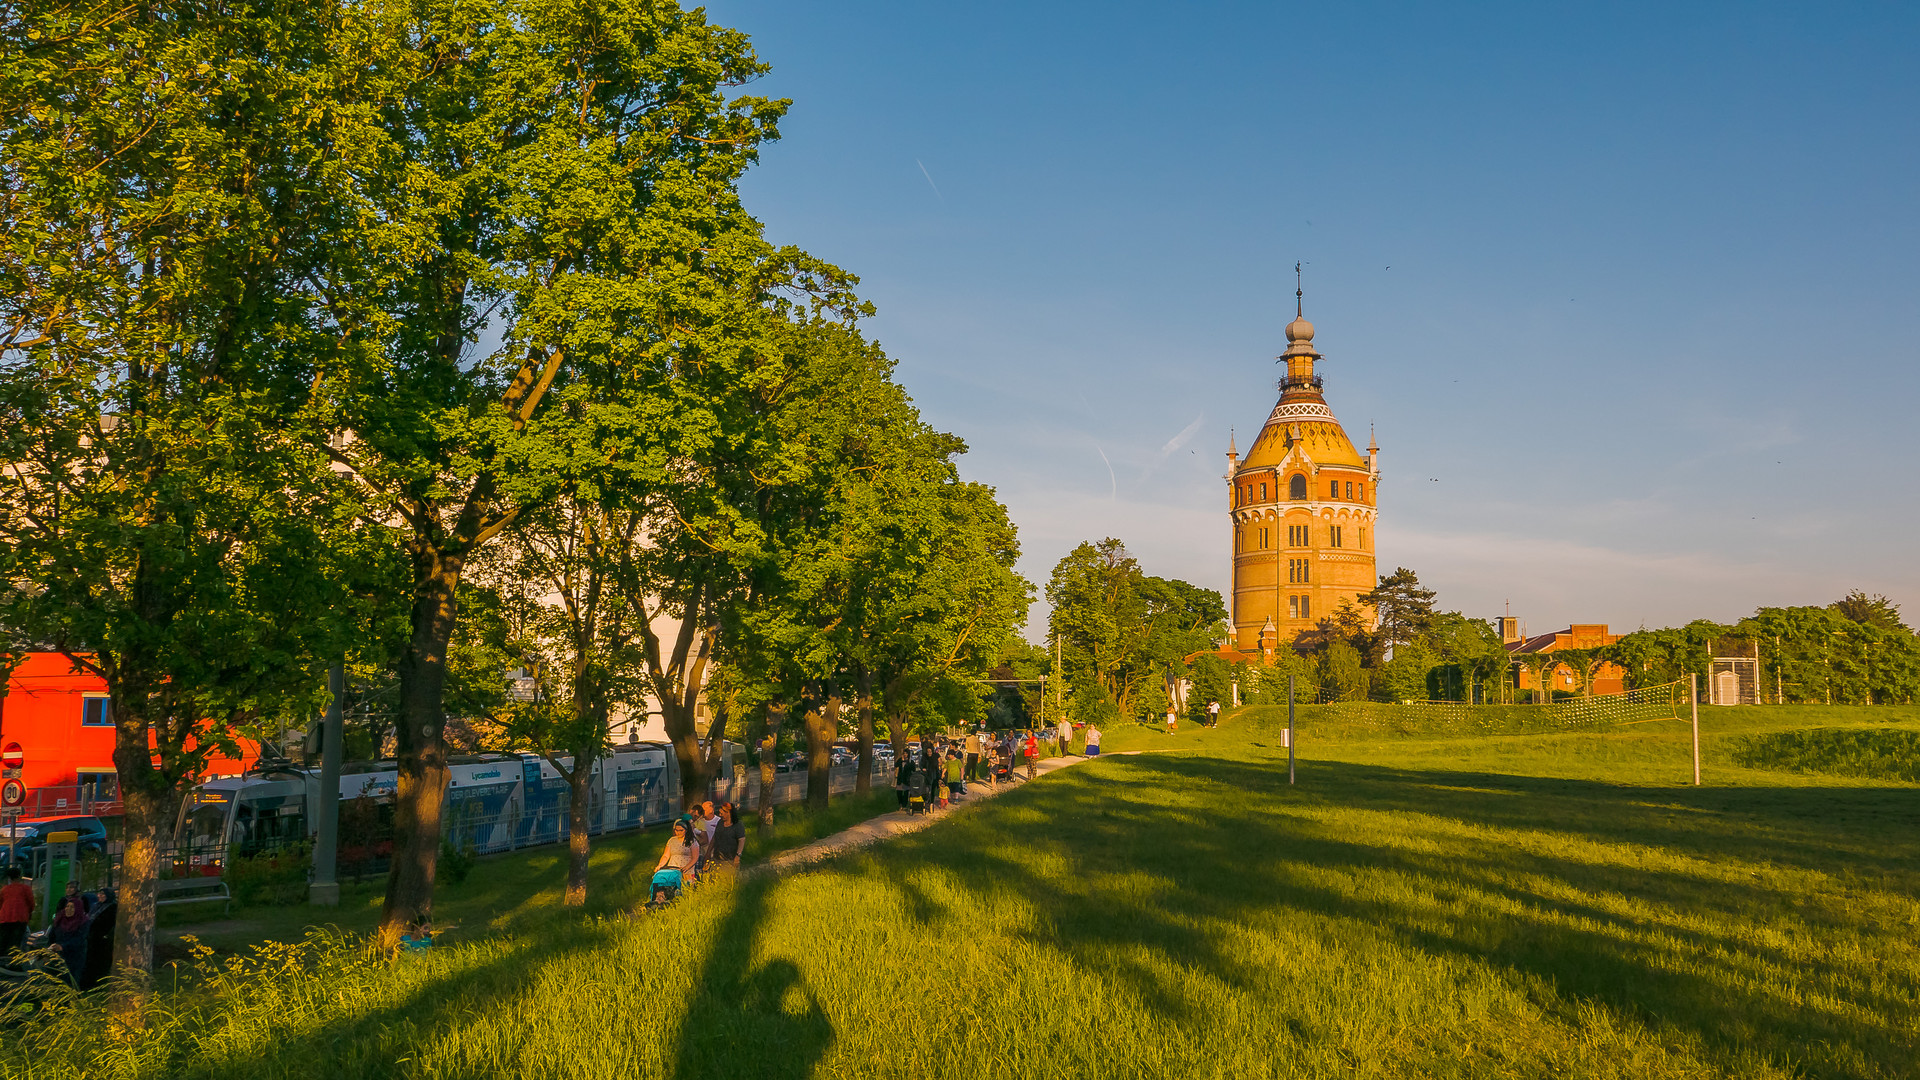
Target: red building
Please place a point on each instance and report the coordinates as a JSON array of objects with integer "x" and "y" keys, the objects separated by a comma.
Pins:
[
  {"x": 56, "y": 741},
  {"x": 1608, "y": 678}
]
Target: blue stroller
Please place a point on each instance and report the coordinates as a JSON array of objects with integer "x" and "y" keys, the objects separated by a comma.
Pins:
[{"x": 665, "y": 888}]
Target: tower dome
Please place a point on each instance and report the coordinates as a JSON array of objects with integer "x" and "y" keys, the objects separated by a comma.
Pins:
[{"x": 1299, "y": 329}]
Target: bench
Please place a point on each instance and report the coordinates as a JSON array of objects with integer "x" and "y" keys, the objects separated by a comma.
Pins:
[{"x": 193, "y": 891}]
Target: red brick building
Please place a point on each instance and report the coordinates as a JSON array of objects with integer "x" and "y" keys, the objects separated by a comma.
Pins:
[{"x": 1608, "y": 678}]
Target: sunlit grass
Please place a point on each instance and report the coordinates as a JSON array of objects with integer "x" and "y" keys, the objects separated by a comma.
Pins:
[{"x": 1536, "y": 906}]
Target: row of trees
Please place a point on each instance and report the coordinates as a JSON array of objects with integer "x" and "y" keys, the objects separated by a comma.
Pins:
[
  {"x": 434, "y": 338},
  {"x": 1397, "y": 646},
  {"x": 1855, "y": 651}
]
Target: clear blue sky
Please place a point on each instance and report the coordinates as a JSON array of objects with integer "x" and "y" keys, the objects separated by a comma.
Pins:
[{"x": 1629, "y": 292}]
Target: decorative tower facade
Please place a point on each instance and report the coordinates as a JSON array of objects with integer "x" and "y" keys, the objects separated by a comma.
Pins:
[{"x": 1303, "y": 505}]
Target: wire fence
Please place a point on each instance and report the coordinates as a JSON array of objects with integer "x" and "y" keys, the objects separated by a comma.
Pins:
[{"x": 1452, "y": 717}]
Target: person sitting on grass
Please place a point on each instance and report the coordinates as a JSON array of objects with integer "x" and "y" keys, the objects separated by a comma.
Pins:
[
  {"x": 682, "y": 852},
  {"x": 419, "y": 935}
]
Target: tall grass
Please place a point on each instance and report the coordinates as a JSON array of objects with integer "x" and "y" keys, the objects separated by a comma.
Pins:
[
  {"x": 1410, "y": 911},
  {"x": 1875, "y": 753}
]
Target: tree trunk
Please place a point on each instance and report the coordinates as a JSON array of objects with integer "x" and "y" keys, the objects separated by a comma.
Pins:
[
  {"x": 897, "y": 735},
  {"x": 822, "y": 720},
  {"x": 422, "y": 748},
  {"x": 693, "y": 765},
  {"x": 864, "y": 785},
  {"x": 580, "y": 797},
  {"x": 776, "y": 719},
  {"x": 139, "y": 871}
]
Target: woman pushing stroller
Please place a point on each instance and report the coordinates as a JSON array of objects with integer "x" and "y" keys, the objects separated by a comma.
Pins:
[{"x": 676, "y": 864}]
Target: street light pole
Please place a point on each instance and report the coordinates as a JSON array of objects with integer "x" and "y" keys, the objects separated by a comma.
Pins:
[{"x": 325, "y": 890}]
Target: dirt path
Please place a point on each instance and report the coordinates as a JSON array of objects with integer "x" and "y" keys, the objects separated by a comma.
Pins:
[{"x": 899, "y": 822}]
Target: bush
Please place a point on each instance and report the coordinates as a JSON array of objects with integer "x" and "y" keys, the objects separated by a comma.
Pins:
[
  {"x": 456, "y": 860},
  {"x": 271, "y": 877}
]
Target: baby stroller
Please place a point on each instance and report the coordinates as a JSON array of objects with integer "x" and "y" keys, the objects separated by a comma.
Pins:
[
  {"x": 917, "y": 792},
  {"x": 665, "y": 888}
]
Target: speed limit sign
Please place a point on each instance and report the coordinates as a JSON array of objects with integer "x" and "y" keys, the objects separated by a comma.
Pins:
[{"x": 13, "y": 793}]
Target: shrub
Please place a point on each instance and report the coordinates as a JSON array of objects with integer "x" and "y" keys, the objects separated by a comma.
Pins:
[
  {"x": 271, "y": 877},
  {"x": 456, "y": 860}
]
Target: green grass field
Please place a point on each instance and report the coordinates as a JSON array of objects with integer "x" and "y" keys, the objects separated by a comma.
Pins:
[{"x": 1534, "y": 906}]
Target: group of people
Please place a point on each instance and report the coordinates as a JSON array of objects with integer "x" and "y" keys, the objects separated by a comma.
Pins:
[
  {"x": 81, "y": 933},
  {"x": 1211, "y": 717},
  {"x": 707, "y": 836},
  {"x": 940, "y": 768}
]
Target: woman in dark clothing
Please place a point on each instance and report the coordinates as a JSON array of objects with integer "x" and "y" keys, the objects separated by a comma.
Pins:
[
  {"x": 730, "y": 837},
  {"x": 69, "y": 936},
  {"x": 99, "y": 959}
]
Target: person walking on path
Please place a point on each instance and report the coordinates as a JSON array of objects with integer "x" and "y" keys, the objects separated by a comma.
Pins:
[
  {"x": 956, "y": 776},
  {"x": 729, "y": 837},
  {"x": 973, "y": 756},
  {"x": 682, "y": 852},
  {"x": 16, "y": 908},
  {"x": 1066, "y": 738},
  {"x": 1093, "y": 741},
  {"x": 1033, "y": 753},
  {"x": 1213, "y": 714}
]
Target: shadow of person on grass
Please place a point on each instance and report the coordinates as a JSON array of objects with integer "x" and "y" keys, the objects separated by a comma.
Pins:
[{"x": 747, "y": 1020}]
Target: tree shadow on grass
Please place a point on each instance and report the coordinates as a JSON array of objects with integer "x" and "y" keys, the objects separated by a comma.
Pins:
[{"x": 1265, "y": 851}]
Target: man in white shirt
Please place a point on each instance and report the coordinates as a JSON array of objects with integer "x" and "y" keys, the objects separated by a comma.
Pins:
[
  {"x": 1066, "y": 737},
  {"x": 1213, "y": 714}
]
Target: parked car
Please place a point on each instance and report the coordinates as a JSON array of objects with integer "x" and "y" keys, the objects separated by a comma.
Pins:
[{"x": 19, "y": 840}]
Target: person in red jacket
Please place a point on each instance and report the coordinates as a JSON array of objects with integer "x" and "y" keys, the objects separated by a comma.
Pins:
[
  {"x": 16, "y": 907},
  {"x": 1033, "y": 753}
]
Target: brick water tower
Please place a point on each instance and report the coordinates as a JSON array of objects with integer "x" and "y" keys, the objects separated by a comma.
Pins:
[{"x": 1303, "y": 506}]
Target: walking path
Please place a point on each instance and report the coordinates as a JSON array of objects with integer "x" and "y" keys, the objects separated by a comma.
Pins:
[
  {"x": 899, "y": 822},
  {"x": 896, "y": 823}
]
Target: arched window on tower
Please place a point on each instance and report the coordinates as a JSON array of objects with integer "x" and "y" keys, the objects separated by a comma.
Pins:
[{"x": 1297, "y": 487}]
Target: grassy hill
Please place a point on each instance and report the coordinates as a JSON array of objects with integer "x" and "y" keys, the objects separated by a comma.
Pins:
[{"x": 1557, "y": 905}]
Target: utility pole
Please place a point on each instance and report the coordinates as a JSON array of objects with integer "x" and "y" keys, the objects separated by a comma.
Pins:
[
  {"x": 1059, "y": 686},
  {"x": 1290, "y": 678},
  {"x": 325, "y": 890},
  {"x": 1694, "y": 678}
]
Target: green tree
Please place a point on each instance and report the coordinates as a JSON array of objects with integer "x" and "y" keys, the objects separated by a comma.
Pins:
[
  {"x": 171, "y": 177},
  {"x": 567, "y": 574},
  {"x": 1124, "y": 635},
  {"x": 1402, "y": 608},
  {"x": 566, "y": 175}
]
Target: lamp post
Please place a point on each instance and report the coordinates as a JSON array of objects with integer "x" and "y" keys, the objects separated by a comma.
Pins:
[{"x": 325, "y": 890}]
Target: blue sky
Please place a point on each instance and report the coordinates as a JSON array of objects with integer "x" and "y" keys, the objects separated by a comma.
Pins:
[{"x": 1629, "y": 293}]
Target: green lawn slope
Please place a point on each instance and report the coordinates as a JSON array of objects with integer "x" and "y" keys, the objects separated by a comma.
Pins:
[{"x": 1558, "y": 905}]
